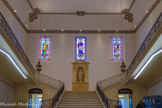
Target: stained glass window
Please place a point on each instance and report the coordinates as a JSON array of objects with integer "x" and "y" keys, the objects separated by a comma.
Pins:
[
  {"x": 80, "y": 48},
  {"x": 116, "y": 48},
  {"x": 44, "y": 52}
]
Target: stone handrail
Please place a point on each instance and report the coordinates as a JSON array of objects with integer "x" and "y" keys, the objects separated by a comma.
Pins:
[
  {"x": 120, "y": 77},
  {"x": 42, "y": 78}
]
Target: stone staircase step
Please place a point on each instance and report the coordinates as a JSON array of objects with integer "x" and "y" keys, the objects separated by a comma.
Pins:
[{"x": 73, "y": 99}]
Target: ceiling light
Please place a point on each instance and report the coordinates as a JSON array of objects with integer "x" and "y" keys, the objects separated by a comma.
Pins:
[
  {"x": 147, "y": 11},
  {"x": 135, "y": 26},
  {"x": 14, "y": 63},
  {"x": 14, "y": 10},
  {"x": 44, "y": 30},
  {"x": 26, "y": 25},
  {"x": 99, "y": 30},
  {"x": 117, "y": 30},
  {"x": 62, "y": 30},
  {"x": 148, "y": 61},
  {"x": 80, "y": 30}
]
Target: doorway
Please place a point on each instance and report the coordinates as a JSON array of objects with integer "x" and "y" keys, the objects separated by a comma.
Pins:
[
  {"x": 35, "y": 98},
  {"x": 125, "y": 98}
]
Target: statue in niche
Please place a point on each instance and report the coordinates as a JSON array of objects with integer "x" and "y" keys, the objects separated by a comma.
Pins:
[{"x": 80, "y": 75}]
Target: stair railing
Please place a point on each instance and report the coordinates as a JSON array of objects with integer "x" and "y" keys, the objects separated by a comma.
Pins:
[
  {"x": 48, "y": 80},
  {"x": 40, "y": 77},
  {"x": 102, "y": 96},
  {"x": 108, "y": 103},
  {"x": 146, "y": 42},
  {"x": 120, "y": 77},
  {"x": 51, "y": 103}
]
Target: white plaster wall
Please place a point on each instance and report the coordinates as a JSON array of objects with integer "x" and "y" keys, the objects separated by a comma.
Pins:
[
  {"x": 15, "y": 26},
  {"x": 147, "y": 25},
  {"x": 98, "y": 46},
  {"x": 87, "y": 22},
  {"x": 155, "y": 89},
  {"x": 6, "y": 93}
]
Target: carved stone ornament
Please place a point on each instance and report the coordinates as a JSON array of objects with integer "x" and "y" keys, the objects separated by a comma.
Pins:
[
  {"x": 80, "y": 76},
  {"x": 33, "y": 16}
]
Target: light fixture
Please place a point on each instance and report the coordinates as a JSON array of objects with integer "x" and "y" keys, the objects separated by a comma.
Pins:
[
  {"x": 99, "y": 30},
  {"x": 38, "y": 66},
  {"x": 34, "y": 15},
  {"x": 128, "y": 15},
  {"x": 62, "y": 30},
  {"x": 147, "y": 11},
  {"x": 80, "y": 13},
  {"x": 135, "y": 26},
  {"x": 80, "y": 30},
  {"x": 44, "y": 30},
  {"x": 121, "y": 96},
  {"x": 147, "y": 62},
  {"x": 14, "y": 63},
  {"x": 117, "y": 30},
  {"x": 123, "y": 67},
  {"x": 26, "y": 25},
  {"x": 14, "y": 10}
]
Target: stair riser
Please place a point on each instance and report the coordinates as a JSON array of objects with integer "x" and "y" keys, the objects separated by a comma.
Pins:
[{"x": 80, "y": 100}]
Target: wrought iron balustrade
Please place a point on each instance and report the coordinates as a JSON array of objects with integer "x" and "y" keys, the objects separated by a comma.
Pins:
[
  {"x": 146, "y": 42},
  {"x": 48, "y": 80},
  {"x": 102, "y": 96},
  {"x": 51, "y": 103},
  {"x": 108, "y": 103},
  {"x": 4, "y": 25},
  {"x": 112, "y": 80},
  {"x": 42, "y": 78},
  {"x": 120, "y": 77}
]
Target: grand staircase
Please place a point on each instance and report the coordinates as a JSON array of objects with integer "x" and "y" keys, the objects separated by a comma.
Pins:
[{"x": 74, "y": 99}]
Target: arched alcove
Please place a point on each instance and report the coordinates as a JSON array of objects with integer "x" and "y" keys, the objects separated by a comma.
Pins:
[
  {"x": 35, "y": 98},
  {"x": 125, "y": 97}
]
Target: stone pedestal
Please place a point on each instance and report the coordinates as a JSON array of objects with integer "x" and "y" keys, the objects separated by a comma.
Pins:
[{"x": 80, "y": 76}]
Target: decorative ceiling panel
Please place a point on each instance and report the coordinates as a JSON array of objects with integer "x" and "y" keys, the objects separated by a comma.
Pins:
[{"x": 108, "y": 6}]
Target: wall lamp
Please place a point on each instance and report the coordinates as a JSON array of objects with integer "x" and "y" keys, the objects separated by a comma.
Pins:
[
  {"x": 38, "y": 66},
  {"x": 13, "y": 62},
  {"x": 147, "y": 62},
  {"x": 123, "y": 67}
]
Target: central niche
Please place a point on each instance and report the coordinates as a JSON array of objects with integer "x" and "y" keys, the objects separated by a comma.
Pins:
[{"x": 80, "y": 76}]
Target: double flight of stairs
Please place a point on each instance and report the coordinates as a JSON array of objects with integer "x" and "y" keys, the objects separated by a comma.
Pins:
[{"x": 74, "y": 99}]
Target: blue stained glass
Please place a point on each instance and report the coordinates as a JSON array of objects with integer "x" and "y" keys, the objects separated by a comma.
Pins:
[{"x": 80, "y": 48}]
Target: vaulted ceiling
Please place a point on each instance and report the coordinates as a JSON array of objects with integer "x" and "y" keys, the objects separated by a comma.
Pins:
[{"x": 59, "y": 15}]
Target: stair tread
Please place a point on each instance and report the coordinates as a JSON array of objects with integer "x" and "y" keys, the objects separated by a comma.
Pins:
[{"x": 77, "y": 99}]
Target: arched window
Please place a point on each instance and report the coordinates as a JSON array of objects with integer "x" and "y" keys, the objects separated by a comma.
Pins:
[
  {"x": 116, "y": 48},
  {"x": 35, "y": 98},
  {"x": 80, "y": 48},
  {"x": 44, "y": 50}
]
